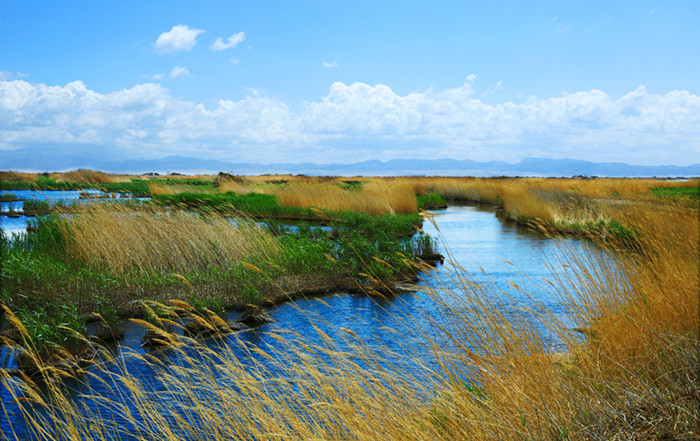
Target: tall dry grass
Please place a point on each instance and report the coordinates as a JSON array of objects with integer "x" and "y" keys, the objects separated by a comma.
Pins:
[
  {"x": 11, "y": 176},
  {"x": 86, "y": 176},
  {"x": 124, "y": 239},
  {"x": 562, "y": 201},
  {"x": 237, "y": 187},
  {"x": 375, "y": 197},
  {"x": 631, "y": 366},
  {"x": 633, "y": 376},
  {"x": 155, "y": 188},
  {"x": 630, "y": 369}
]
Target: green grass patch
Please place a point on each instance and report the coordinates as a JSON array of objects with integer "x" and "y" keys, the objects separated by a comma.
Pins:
[
  {"x": 351, "y": 185},
  {"x": 8, "y": 197},
  {"x": 609, "y": 230},
  {"x": 43, "y": 183},
  {"x": 678, "y": 194},
  {"x": 431, "y": 201},
  {"x": 251, "y": 204},
  {"x": 135, "y": 187}
]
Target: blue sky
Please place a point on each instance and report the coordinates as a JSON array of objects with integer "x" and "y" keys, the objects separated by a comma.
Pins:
[{"x": 325, "y": 81}]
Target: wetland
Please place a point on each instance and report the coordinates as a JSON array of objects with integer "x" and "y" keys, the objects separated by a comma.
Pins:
[{"x": 378, "y": 321}]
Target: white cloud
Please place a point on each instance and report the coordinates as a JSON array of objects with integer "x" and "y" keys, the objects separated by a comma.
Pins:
[
  {"x": 358, "y": 121},
  {"x": 494, "y": 89},
  {"x": 331, "y": 64},
  {"x": 157, "y": 77},
  {"x": 230, "y": 43},
  {"x": 5, "y": 76},
  {"x": 179, "y": 38},
  {"x": 179, "y": 71}
]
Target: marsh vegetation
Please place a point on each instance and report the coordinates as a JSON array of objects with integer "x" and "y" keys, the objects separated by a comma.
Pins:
[{"x": 628, "y": 368}]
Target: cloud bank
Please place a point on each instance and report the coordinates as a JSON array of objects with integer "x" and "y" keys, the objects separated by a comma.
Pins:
[{"x": 356, "y": 122}]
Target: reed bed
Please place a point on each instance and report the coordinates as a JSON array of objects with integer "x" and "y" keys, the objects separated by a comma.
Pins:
[
  {"x": 155, "y": 188},
  {"x": 123, "y": 239},
  {"x": 629, "y": 368},
  {"x": 559, "y": 203},
  {"x": 632, "y": 374},
  {"x": 86, "y": 176},
  {"x": 374, "y": 198},
  {"x": 11, "y": 176}
]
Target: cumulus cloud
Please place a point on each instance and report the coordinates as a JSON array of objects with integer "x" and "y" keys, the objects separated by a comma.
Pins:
[
  {"x": 179, "y": 71},
  {"x": 231, "y": 42},
  {"x": 359, "y": 121},
  {"x": 179, "y": 38}
]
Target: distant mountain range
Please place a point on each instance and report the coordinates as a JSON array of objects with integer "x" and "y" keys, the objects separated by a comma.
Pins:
[{"x": 29, "y": 159}]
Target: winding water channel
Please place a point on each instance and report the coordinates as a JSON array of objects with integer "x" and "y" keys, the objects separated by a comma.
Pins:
[{"x": 493, "y": 251}]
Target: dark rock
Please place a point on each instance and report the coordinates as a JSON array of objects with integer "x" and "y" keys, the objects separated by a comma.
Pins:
[
  {"x": 107, "y": 335},
  {"x": 227, "y": 177},
  {"x": 432, "y": 259},
  {"x": 254, "y": 316}
]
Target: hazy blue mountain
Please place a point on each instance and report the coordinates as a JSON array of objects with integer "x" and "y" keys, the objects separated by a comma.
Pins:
[{"x": 99, "y": 158}]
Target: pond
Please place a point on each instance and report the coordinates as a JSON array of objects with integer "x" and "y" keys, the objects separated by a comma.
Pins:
[{"x": 492, "y": 251}]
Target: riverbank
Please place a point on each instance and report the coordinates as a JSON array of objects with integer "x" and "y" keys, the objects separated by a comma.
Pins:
[{"x": 109, "y": 258}]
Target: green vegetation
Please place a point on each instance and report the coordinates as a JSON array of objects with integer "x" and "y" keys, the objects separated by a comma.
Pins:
[
  {"x": 135, "y": 187},
  {"x": 7, "y": 197},
  {"x": 431, "y": 201},
  {"x": 36, "y": 207},
  {"x": 193, "y": 182},
  {"x": 42, "y": 183},
  {"x": 351, "y": 185},
  {"x": 252, "y": 204},
  {"x": 607, "y": 232},
  {"x": 108, "y": 257},
  {"x": 678, "y": 194},
  {"x": 266, "y": 206}
]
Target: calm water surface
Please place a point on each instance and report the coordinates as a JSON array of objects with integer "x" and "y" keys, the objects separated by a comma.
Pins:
[
  {"x": 492, "y": 251},
  {"x": 16, "y": 225}
]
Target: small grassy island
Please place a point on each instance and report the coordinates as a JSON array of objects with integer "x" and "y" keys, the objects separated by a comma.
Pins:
[{"x": 155, "y": 249}]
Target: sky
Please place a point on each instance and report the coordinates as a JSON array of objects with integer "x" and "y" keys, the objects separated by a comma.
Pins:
[{"x": 330, "y": 81}]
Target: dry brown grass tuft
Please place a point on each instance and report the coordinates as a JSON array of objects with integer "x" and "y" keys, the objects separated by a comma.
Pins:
[
  {"x": 10, "y": 176},
  {"x": 124, "y": 240},
  {"x": 155, "y": 188},
  {"x": 237, "y": 187},
  {"x": 85, "y": 176}
]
